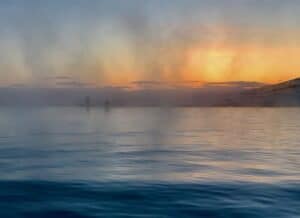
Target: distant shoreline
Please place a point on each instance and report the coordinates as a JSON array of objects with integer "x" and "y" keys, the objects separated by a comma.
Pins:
[{"x": 286, "y": 94}]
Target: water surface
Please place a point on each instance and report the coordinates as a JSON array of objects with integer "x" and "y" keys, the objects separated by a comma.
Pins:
[{"x": 150, "y": 162}]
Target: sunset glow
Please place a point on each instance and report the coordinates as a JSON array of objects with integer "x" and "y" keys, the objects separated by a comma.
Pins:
[{"x": 107, "y": 44}]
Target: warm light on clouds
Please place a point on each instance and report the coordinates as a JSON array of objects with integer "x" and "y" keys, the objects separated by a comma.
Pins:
[
  {"x": 113, "y": 42},
  {"x": 209, "y": 64},
  {"x": 243, "y": 63}
]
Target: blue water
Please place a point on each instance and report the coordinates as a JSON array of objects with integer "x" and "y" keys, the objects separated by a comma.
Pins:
[{"x": 150, "y": 162}]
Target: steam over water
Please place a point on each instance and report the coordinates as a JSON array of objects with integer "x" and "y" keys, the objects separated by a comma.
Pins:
[{"x": 150, "y": 162}]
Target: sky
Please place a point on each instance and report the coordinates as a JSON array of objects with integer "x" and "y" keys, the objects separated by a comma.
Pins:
[{"x": 119, "y": 42}]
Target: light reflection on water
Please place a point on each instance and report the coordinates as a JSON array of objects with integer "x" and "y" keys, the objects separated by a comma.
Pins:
[{"x": 151, "y": 144}]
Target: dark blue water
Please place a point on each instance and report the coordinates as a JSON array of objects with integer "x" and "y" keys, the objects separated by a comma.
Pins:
[
  {"x": 50, "y": 199},
  {"x": 150, "y": 162}
]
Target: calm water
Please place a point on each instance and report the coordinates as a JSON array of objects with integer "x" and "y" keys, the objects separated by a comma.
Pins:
[{"x": 150, "y": 162}]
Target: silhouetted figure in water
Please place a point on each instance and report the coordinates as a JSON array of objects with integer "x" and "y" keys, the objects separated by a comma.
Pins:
[
  {"x": 87, "y": 102},
  {"x": 106, "y": 105}
]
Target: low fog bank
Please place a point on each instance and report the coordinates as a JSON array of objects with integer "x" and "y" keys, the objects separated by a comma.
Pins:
[
  {"x": 208, "y": 95},
  {"x": 211, "y": 94}
]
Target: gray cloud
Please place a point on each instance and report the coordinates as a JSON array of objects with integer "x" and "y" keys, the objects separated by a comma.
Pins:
[{"x": 77, "y": 37}]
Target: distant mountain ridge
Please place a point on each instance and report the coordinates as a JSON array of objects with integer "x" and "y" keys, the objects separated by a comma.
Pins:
[
  {"x": 291, "y": 84},
  {"x": 282, "y": 94}
]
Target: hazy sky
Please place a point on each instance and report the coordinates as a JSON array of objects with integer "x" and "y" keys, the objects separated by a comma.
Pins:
[{"x": 115, "y": 42}]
